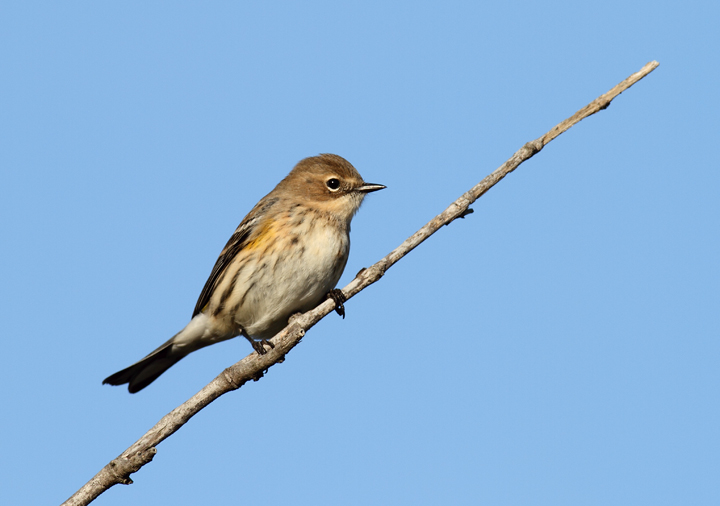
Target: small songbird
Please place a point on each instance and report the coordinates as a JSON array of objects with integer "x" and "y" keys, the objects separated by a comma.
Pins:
[{"x": 285, "y": 257}]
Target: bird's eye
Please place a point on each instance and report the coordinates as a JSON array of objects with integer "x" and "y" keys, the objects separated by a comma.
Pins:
[{"x": 333, "y": 184}]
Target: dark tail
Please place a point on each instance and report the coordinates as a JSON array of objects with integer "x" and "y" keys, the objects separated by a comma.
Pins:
[{"x": 142, "y": 373}]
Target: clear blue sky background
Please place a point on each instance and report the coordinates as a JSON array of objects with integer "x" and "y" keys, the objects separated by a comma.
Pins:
[{"x": 558, "y": 347}]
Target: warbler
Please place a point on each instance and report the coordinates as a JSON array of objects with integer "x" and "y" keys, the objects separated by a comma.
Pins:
[{"x": 285, "y": 257}]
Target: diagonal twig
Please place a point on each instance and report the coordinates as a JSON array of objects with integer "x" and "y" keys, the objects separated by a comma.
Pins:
[{"x": 254, "y": 366}]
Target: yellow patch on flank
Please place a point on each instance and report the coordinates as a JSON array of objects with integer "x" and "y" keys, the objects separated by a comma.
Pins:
[{"x": 266, "y": 233}]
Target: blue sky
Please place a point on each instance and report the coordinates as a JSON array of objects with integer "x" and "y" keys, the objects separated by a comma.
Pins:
[{"x": 560, "y": 346}]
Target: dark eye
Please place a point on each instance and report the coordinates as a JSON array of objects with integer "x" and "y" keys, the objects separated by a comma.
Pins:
[{"x": 333, "y": 184}]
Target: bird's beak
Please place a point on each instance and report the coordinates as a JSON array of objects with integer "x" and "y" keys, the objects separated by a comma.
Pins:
[{"x": 369, "y": 187}]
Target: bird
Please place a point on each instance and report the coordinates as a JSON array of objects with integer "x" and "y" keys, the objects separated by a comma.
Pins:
[{"x": 285, "y": 257}]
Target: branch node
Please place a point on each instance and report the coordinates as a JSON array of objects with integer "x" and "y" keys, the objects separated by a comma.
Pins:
[
  {"x": 293, "y": 318},
  {"x": 533, "y": 147},
  {"x": 119, "y": 474},
  {"x": 462, "y": 215},
  {"x": 234, "y": 385}
]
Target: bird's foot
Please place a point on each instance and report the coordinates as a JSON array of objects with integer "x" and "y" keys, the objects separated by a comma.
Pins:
[
  {"x": 259, "y": 346},
  {"x": 339, "y": 298}
]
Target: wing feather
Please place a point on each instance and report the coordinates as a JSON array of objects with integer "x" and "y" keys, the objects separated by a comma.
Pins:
[{"x": 236, "y": 243}]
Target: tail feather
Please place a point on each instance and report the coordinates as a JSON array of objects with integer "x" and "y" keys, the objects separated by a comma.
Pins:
[
  {"x": 145, "y": 371},
  {"x": 196, "y": 335}
]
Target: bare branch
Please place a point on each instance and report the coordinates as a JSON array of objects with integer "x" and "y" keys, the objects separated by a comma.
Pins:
[{"x": 254, "y": 366}]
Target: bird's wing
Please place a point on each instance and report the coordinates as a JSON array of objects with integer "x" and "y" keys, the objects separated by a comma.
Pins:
[{"x": 236, "y": 243}]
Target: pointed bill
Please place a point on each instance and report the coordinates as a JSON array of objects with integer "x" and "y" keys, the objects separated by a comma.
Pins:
[{"x": 370, "y": 187}]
